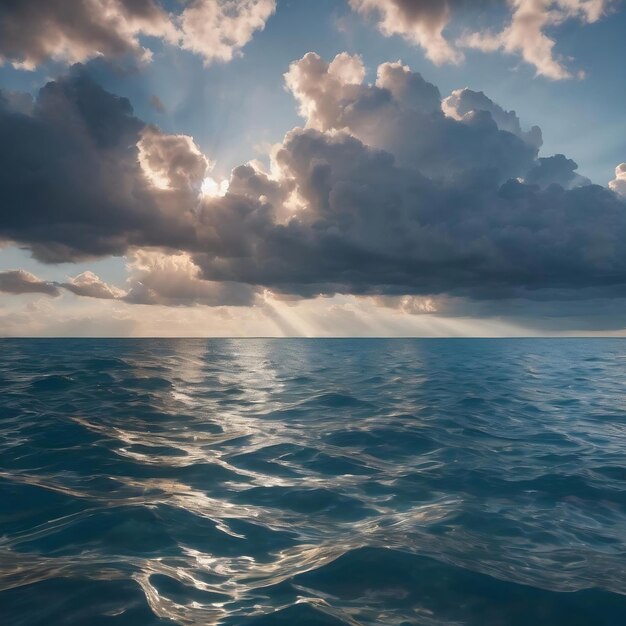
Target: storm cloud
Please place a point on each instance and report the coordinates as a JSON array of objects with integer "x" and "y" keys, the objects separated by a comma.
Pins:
[
  {"x": 71, "y": 178},
  {"x": 387, "y": 190}
]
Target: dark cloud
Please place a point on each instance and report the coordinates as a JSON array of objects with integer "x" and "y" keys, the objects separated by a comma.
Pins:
[
  {"x": 72, "y": 184},
  {"x": 556, "y": 170},
  {"x": 19, "y": 282},
  {"x": 373, "y": 227},
  {"x": 464, "y": 102},
  {"x": 382, "y": 194}
]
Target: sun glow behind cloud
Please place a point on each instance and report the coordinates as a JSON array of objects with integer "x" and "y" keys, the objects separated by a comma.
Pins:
[
  {"x": 213, "y": 189},
  {"x": 393, "y": 209}
]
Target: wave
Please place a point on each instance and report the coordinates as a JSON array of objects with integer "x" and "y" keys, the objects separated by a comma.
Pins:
[{"x": 291, "y": 482}]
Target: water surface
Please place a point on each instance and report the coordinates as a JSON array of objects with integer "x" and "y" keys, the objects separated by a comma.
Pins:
[{"x": 313, "y": 482}]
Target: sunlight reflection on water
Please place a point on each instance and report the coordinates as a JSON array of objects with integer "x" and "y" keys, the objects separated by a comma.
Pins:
[{"x": 357, "y": 482}]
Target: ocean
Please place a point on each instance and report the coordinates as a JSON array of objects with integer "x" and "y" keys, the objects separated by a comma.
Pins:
[{"x": 312, "y": 482}]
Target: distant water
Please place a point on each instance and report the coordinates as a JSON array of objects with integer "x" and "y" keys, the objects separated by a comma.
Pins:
[{"x": 313, "y": 482}]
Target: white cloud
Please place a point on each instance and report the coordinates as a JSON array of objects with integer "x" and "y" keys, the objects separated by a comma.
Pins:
[
  {"x": 618, "y": 184},
  {"x": 175, "y": 280},
  {"x": 90, "y": 285},
  {"x": 424, "y": 22},
  {"x": 526, "y": 33},
  {"x": 218, "y": 29},
  {"x": 421, "y": 23},
  {"x": 402, "y": 115},
  {"x": 462, "y": 102},
  {"x": 32, "y": 31},
  {"x": 171, "y": 161}
]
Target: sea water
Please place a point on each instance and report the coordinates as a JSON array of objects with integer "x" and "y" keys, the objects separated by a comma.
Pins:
[{"x": 313, "y": 482}]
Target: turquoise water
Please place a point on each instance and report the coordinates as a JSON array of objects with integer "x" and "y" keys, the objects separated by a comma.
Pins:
[{"x": 311, "y": 482}]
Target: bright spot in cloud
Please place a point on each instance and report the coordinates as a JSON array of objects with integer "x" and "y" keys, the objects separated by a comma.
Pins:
[{"x": 212, "y": 189}]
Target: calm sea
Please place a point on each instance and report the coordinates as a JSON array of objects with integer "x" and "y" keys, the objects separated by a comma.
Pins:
[{"x": 313, "y": 482}]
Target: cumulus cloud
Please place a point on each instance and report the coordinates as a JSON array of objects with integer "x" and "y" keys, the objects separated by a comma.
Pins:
[
  {"x": 32, "y": 31},
  {"x": 372, "y": 227},
  {"x": 89, "y": 285},
  {"x": 556, "y": 170},
  {"x": 421, "y": 23},
  {"x": 462, "y": 102},
  {"x": 408, "y": 87},
  {"x": 175, "y": 280},
  {"x": 72, "y": 183},
  {"x": 154, "y": 278},
  {"x": 218, "y": 29},
  {"x": 18, "y": 282},
  {"x": 400, "y": 198},
  {"x": 171, "y": 161},
  {"x": 402, "y": 114},
  {"x": 618, "y": 184},
  {"x": 424, "y": 23},
  {"x": 385, "y": 192},
  {"x": 526, "y": 33}
]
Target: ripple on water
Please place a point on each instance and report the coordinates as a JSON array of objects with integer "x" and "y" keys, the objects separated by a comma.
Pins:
[{"x": 313, "y": 482}]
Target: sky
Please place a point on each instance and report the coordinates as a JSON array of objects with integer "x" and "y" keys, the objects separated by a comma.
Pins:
[{"x": 329, "y": 168}]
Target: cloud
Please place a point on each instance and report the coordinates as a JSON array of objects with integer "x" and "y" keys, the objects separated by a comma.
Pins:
[
  {"x": 402, "y": 114},
  {"x": 32, "y": 31},
  {"x": 154, "y": 278},
  {"x": 372, "y": 227},
  {"x": 171, "y": 161},
  {"x": 398, "y": 198},
  {"x": 556, "y": 170},
  {"x": 421, "y": 23},
  {"x": 72, "y": 183},
  {"x": 18, "y": 282},
  {"x": 462, "y": 102},
  {"x": 556, "y": 312},
  {"x": 409, "y": 305},
  {"x": 381, "y": 194},
  {"x": 89, "y": 285},
  {"x": 424, "y": 22},
  {"x": 618, "y": 184},
  {"x": 175, "y": 280},
  {"x": 218, "y": 29},
  {"x": 525, "y": 34}
]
